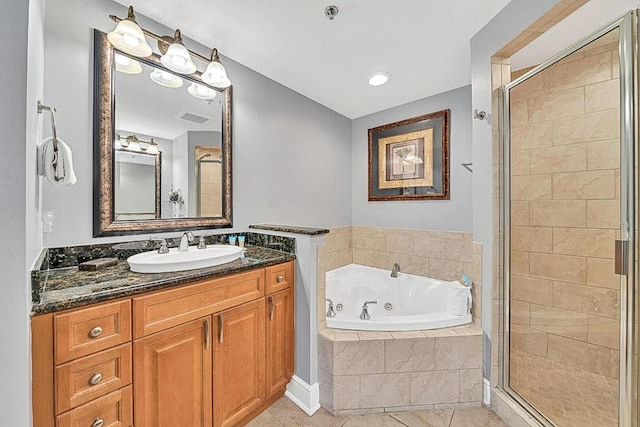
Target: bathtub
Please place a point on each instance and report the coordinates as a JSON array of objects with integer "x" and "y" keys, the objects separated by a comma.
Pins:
[{"x": 407, "y": 302}]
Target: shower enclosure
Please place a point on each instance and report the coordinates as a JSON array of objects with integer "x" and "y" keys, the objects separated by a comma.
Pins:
[{"x": 569, "y": 198}]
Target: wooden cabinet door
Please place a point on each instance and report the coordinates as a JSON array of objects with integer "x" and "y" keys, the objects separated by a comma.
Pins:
[
  {"x": 172, "y": 377},
  {"x": 238, "y": 361},
  {"x": 279, "y": 320}
]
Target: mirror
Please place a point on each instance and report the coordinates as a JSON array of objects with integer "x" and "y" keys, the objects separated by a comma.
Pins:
[{"x": 162, "y": 147}]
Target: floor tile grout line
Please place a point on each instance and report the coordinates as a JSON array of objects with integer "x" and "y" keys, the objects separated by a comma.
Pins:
[
  {"x": 451, "y": 419},
  {"x": 399, "y": 420}
]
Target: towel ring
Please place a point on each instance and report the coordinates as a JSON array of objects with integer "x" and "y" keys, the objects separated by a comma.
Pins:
[{"x": 52, "y": 110}]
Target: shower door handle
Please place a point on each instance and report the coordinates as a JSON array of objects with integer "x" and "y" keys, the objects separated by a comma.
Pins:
[{"x": 622, "y": 257}]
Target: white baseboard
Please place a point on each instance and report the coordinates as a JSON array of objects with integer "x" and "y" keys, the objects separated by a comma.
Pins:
[{"x": 305, "y": 396}]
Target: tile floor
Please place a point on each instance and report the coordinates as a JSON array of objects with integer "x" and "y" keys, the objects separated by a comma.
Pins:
[{"x": 285, "y": 413}]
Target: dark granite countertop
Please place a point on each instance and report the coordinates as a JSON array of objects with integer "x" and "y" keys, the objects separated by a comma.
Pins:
[
  {"x": 290, "y": 229},
  {"x": 67, "y": 287}
]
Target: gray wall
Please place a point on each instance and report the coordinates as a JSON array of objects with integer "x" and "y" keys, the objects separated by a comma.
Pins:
[
  {"x": 22, "y": 23},
  {"x": 291, "y": 156},
  {"x": 453, "y": 214}
]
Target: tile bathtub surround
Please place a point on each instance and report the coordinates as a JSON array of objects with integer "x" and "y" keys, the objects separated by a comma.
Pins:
[
  {"x": 387, "y": 371},
  {"x": 437, "y": 254}
]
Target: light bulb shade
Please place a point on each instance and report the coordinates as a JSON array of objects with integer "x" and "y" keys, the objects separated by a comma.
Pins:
[
  {"x": 178, "y": 59},
  {"x": 129, "y": 38},
  {"x": 127, "y": 65},
  {"x": 166, "y": 79},
  {"x": 201, "y": 92},
  {"x": 216, "y": 75}
]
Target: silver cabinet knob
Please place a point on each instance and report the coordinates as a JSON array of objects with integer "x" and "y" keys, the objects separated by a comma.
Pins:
[
  {"x": 95, "y": 332},
  {"x": 280, "y": 279},
  {"x": 95, "y": 379},
  {"x": 98, "y": 422}
]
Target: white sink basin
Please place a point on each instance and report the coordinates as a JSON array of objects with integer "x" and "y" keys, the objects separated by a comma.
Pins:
[{"x": 153, "y": 262}]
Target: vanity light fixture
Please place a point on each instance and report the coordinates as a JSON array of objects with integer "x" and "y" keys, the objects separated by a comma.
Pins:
[
  {"x": 166, "y": 79},
  {"x": 127, "y": 65},
  {"x": 379, "y": 78},
  {"x": 215, "y": 74},
  {"x": 201, "y": 91},
  {"x": 133, "y": 143},
  {"x": 175, "y": 56},
  {"x": 129, "y": 37}
]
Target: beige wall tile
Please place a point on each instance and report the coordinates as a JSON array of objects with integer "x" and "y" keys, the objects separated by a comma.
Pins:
[
  {"x": 564, "y": 268},
  {"x": 470, "y": 385},
  {"x": 382, "y": 260},
  {"x": 535, "y": 135},
  {"x": 563, "y": 158},
  {"x": 365, "y": 238},
  {"x": 520, "y": 263},
  {"x": 581, "y": 72},
  {"x": 519, "y": 212},
  {"x": 435, "y": 387},
  {"x": 592, "y": 242},
  {"x": 603, "y": 214},
  {"x": 459, "y": 250},
  {"x": 364, "y": 256},
  {"x": 559, "y": 322},
  {"x": 531, "y": 289},
  {"x": 604, "y": 332},
  {"x": 519, "y": 312},
  {"x": 399, "y": 243},
  {"x": 601, "y": 273},
  {"x": 409, "y": 355},
  {"x": 346, "y": 392},
  {"x": 429, "y": 247},
  {"x": 599, "y": 184},
  {"x": 374, "y": 335},
  {"x": 528, "y": 340},
  {"x": 518, "y": 112},
  {"x": 531, "y": 187},
  {"x": 603, "y": 154},
  {"x": 380, "y": 391},
  {"x": 586, "y": 128},
  {"x": 558, "y": 213},
  {"x": 569, "y": 296},
  {"x": 325, "y": 382},
  {"x": 582, "y": 355},
  {"x": 458, "y": 352},
  {"x": 602, "y": 96},
  {"x": 520, "y": 162},
  {"x": 359, "y": 357},
  {"x": 532, "y": 239},
  {"x": 325, "y": 354},
  {"x": 603, "y": 302},
  {"x": 445, "y": 270},
  {"x": 552, "y": 106}
]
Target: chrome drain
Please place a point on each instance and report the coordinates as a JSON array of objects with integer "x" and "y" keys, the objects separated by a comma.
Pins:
[{"x": 388, "y": 306}]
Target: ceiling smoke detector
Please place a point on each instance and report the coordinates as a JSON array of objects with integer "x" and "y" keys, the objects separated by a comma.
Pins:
[{"x": 331, "y": 12}]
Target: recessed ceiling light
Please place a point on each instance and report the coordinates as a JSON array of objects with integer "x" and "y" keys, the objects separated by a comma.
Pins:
[{"x": 379, "y": 78}]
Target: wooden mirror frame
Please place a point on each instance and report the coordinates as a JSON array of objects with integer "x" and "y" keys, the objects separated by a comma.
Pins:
[{"x": 104, "y": 223}]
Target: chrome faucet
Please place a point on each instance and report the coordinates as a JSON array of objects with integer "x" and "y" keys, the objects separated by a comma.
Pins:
[
  {"x": 201, "y": 242},
  {"x": 395, "y": 269},
  {"x": 365, "y": 310},
  {"x": 330, "y": 311},
  {"x": 163, "y": 249},
  {"x": 184, "y": 241}
]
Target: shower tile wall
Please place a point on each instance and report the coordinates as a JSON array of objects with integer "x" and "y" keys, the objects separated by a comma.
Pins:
[
  {"x": 565, "y": 180},
  {"x": 439, "y": 254}
]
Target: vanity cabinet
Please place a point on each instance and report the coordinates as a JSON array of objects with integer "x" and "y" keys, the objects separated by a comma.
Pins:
[{"x": 215, "y": 352}]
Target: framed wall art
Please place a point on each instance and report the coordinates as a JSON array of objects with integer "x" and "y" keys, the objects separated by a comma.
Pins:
[{"x": 409, "y": 160}]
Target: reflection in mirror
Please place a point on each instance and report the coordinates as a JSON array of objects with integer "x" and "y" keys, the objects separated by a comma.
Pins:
[{"x": 176, "y": 120}]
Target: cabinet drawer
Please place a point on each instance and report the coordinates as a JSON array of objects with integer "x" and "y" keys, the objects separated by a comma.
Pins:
[
  {"x": 173, "y": 307},
  {"x": 93, "y": 376},
  {"x": 88, "y": 330},
  {"x": 115, "y": 410},
  {"x": 279, "y": 277}
]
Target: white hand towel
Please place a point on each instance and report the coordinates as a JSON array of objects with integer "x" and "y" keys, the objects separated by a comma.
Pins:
[
  {"x": 459, "y": 299},
  {"x": 56, "y": 167}
]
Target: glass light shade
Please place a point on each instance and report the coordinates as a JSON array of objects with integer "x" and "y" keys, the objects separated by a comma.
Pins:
[
  {"x": 166, "y": 79},
  {"x": 178, "y": 59},
  {"x": 201, "y": 92},
  {"x": 144, "y": 145},
  {"x": 129, "y": 38},
  {"x": 127, "y": 65},
  {"x": 378, "y": 79},
  {"x": 216, "y": 75}
]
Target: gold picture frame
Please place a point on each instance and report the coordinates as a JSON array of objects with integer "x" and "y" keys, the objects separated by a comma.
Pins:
[{"x": 409, "y": 160}]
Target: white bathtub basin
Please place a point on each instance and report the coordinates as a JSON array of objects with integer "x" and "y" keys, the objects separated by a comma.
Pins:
[{"x": 154, "y": 262}]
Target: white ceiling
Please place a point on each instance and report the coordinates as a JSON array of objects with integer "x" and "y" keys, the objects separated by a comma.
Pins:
[{"x": 423, "y": 44}]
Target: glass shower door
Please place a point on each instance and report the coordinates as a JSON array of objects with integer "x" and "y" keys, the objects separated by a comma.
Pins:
[{"x": 567, "y": 187}]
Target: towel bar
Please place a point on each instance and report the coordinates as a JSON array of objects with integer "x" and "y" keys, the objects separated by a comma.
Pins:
[{"x": 52, "y": 110}]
